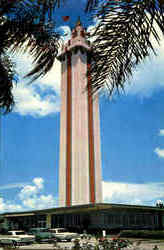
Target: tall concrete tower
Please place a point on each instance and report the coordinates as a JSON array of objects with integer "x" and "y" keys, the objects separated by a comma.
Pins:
[{"x": 80, "y": 157}]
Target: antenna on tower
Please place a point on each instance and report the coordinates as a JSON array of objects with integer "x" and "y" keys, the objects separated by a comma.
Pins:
[{"x": 78, "y": 21}]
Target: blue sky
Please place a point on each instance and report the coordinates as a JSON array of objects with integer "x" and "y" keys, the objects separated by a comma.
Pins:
[{"x": 132, "y": 135}]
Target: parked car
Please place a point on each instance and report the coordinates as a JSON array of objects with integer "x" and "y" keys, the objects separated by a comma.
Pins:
[
  {"x": 9, "y": 242},
  {"x": 45, "y": 237},
  {"x": 42, "y": 235},
  {"x": 36, "y": 230},
  {"x": 18, "y": 237},
  {"x": 62, "y": 234}
]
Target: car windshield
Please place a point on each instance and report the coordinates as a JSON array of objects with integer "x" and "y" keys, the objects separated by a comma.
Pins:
[
  {"x": 9, "y": 233},
  {"x": 62, "y": 230},
  {"x": 19, "y": 233},
  {"x": 37, "y": 230}
]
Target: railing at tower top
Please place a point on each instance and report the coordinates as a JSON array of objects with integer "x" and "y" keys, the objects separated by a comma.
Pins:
[{"x": 81, "y": 42}]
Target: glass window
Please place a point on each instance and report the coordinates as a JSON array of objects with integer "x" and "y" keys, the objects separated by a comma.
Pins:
[
  {"x": 20, "y": 233},
  {"x": 131, "y": 219},
  {"x": 62, "y": 230},
  {"x": 74, "y": 34}
]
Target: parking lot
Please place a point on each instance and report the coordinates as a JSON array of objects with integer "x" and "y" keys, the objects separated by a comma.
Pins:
[
  {"x": 47, "y": 246},
  {"x": 145, "y": 245},
  {"x": 138, "y": 244}
]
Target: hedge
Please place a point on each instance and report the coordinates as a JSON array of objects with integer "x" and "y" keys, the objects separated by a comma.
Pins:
[{"x": 142, "y": 234}]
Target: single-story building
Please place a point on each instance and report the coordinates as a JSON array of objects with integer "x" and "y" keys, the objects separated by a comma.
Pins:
[{"x": 91, "y": 217}]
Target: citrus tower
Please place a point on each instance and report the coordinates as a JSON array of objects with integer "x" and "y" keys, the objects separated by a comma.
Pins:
[{"x": 80, "y": 157}]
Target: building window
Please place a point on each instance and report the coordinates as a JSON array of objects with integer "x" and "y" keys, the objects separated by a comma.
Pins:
[
  {"x": 132, "y": 219},
  {"x": 125, "y": 220},
  {"x": 74, "y": 34},
  {"x": 82, "y": 33},
  {"x": 82, "y": 50},
  {"x": 111, "y": 219},
  {"x": 75, "y": 50},
  {"x": 139, "y": 219}
]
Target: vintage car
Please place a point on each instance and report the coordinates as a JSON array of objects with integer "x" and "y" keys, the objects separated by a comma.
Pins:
[
  {"x": 35, "y": 230},
  {"x": 62, "y": 234},
  {"x": 45, "y": 237},
  {"x": 42, "y": 235},
  {"x": 18, "y": 237}
]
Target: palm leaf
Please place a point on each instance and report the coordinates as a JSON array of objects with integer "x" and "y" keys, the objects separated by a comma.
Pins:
[
  {"x": 6, "y": 84},
  {"x": 123, "y": 39},
  {"x": 26, "y": 28}
]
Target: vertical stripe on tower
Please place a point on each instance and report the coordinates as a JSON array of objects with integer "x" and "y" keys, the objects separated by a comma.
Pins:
[
  {"x": 91, "y": 136},
  {"x": 69, "y": 125}
]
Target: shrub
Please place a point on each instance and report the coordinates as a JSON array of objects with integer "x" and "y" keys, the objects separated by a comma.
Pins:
[{"x": 142, "y": 234}]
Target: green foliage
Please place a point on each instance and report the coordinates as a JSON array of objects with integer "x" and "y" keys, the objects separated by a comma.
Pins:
[
  {"x": 76, "y": 245},
  {"x": 10, "y": 248},
  {"x": 26, "y": 25},
  {"x": 115, "y": 243},
  {"x": 122, "y": 39},
  {"x": 147, "y": 234}
]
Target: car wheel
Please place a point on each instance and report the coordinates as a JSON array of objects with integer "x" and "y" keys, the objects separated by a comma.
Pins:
[
  {"x": 14, "y": 244},
  {"x": 28, "y": 243}
]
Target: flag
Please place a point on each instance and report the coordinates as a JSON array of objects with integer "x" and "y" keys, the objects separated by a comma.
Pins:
[{"x": 65, "y": 18}]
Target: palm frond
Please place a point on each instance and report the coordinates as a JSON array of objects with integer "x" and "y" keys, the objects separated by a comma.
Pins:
[
  {"x": 25, "y": 27},
  {"x": 6, "y": 84},
  {"x": 91, "y": 4},
  {"x": 123, "y": 39},
  {"x": 45, "y": 52}
]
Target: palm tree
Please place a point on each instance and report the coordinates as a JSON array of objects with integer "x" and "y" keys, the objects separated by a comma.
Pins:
[
  {"x": 31, "y": 22},
  {"x": 122, "y": 39}
]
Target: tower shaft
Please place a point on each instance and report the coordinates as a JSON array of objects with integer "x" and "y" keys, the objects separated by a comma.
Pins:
[{"x": 80, "y": 158}]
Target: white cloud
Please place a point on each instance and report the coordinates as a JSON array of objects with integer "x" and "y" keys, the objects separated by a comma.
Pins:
[
  {"x": 161, "y": 132},
  {"x": 29, "y": 102},
  {"x": 8, "y": 206},
  {"x": 149, "y": 75},
  {"x": 13, "y": 185},
  {"x": 2, "y": 205},
  {"x": 40, "y": 202},
  {"x": 40, "y": 98},
  {"x": 31, "y": 196},
  {"x": 52, "y": 79},
  {"x": 159, "y": 152},
  {"x": 131, "y": 193},
  {"x": 91, "y": 29},
  {"x": 32, "y": 190},
  {"x": 28, "y": 191},
  {"x": 65, "y": 32},
  {"x": 38, "y": 182}
]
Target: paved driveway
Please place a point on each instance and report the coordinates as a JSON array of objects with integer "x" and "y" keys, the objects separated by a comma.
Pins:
[{"x": 68, "y": 245}]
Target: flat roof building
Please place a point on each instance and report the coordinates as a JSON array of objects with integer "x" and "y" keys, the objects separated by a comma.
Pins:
[{"x": 91, "y": 217}]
